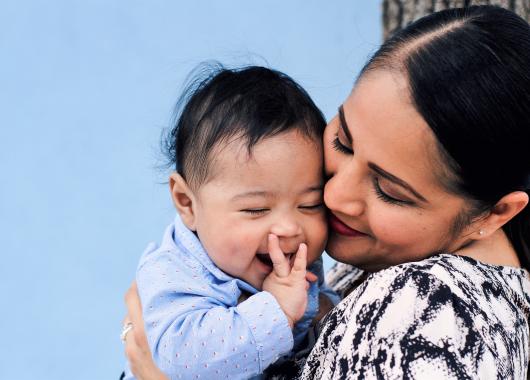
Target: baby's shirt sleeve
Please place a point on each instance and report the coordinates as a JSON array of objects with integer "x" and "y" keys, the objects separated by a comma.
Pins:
[{"x": 196, "y": 331}]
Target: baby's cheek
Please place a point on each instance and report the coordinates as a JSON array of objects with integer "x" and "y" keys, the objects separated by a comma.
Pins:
[
  {"x": 313, "y": 255},
  {"x": 318, "y": 241}
]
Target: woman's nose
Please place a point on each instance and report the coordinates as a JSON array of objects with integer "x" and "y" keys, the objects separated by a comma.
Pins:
[{"x": 344, "y": 192}]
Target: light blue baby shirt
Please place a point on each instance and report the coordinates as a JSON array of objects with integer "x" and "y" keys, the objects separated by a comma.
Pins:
[{"x": 194, "y": 324}]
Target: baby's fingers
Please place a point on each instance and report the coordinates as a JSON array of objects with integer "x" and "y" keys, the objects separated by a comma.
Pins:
[
  {"x": 311, "y": 277},
  {"x": 300, "y": 261},
  {"x": 279, "y": 261}
]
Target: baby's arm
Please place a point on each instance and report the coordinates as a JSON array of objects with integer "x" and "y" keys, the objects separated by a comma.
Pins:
[{"x": 194, "y": 331}]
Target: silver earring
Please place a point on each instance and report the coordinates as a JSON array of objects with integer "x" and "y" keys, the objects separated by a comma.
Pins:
[{"x": 481, "y": 232}]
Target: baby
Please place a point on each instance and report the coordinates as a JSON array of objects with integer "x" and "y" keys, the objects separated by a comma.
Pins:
[{"x": 227, "y": 294}]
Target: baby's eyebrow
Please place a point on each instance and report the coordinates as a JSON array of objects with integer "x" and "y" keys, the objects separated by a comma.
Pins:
[
  {"x": 251, "y": 194},
  {"x": 312, "y": 189},
  {"x": 267, "y": 194}
]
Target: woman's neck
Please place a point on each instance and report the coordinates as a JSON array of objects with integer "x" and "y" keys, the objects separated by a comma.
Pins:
[{"x": 494, "y": 250}]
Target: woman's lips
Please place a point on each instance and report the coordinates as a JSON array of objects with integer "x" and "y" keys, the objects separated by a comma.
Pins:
[{"x": 341, "y": 228}]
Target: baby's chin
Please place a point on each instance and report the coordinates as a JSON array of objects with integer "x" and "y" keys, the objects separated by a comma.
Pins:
[{"x": 256, "y": 283}]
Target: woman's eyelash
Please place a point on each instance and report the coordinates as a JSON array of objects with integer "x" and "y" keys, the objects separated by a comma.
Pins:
[
  {"x": 338, "y": 146},
  {"x": 385, "y": 197}
]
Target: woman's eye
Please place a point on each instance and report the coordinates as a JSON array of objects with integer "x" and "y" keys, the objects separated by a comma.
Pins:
[
  {"x": 255, "y": 211},
  {"x": 387, "y": 198},
  {"x": 340, "y": 147}
]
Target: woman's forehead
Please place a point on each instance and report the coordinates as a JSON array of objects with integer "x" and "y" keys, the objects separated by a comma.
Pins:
[{"x": 388, "y": 131}]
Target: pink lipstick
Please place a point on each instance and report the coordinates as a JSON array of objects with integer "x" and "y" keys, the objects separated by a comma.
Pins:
[{"x": 342, "y": 229}]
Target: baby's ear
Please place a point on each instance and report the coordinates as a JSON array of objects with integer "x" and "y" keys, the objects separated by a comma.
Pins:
[{"x": 183, "y": 199}]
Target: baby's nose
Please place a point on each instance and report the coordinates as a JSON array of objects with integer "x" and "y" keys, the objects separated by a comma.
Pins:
[
  {"x": 291, "y": 245},
  {"x": 286, "y": 229}
]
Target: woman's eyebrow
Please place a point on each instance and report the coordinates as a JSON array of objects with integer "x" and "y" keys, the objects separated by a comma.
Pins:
[
  {"x": 343, "y": 125},
  {"x": 374, "y": 167},
  {"x": 396, "y": 180}
]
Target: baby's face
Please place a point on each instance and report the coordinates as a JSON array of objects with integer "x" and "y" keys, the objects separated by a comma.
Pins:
[{"x": 278, "y": 189}]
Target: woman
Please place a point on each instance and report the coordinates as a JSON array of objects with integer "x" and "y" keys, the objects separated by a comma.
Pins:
[{"x": 429, "y": 176}]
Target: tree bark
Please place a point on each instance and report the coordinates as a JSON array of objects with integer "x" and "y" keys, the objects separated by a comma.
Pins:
[{"x": 399, "y": 13}]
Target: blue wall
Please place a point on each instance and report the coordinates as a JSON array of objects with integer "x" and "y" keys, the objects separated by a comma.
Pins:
[{"x": 85, "y": 88}]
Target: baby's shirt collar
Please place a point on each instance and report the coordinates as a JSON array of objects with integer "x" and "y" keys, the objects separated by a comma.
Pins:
[{"x": 181, "y": 237}]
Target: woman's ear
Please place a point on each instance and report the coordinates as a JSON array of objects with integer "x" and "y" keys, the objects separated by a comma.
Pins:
[
  {"x": 183, "y": 199},
  {"x": 505, "y": 209}
]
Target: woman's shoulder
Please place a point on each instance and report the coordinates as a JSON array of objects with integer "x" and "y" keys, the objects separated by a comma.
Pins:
[
  {"x": 407, "y": 287},
  {"x": 463, "y": 265},
  {"x": 443, "y": 290},
  {"x": 461, "y": 276},
  {"x": 435, "y": 307},
  {"x": 464, "y": 278}
]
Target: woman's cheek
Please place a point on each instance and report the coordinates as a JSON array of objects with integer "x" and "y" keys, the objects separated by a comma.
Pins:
[{"x": 393, "y": 229}]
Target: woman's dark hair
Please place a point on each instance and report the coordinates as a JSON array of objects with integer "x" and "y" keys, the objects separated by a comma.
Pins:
[
  {"x": 220, "y": 104},
  {"x": 468, "y": 72}
]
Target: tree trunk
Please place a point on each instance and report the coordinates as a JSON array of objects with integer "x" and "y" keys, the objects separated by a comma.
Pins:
[{"x": 399, "y": 13}]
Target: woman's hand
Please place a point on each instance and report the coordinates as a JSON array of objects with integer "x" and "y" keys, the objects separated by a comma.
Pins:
[{"x": 136, "y": 347}]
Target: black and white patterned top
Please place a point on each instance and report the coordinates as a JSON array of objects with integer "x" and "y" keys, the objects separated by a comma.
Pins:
[{"x": 446, "y": 317}]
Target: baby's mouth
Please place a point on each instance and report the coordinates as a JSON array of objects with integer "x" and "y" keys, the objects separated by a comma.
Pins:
[{"x": 264, "y": 258}]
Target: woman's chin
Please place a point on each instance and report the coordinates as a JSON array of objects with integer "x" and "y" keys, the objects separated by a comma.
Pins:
[
  {"x": 344, "y": 255},
  {"x": 348, "y": 251},
  {"x": 354, "y": 253}
]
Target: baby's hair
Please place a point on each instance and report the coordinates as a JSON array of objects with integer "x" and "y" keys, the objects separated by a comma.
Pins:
[{"x": 249, "y": 104}]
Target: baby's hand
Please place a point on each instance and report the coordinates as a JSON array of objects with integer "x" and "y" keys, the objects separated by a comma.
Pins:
[{"x": 289, "y": 285}]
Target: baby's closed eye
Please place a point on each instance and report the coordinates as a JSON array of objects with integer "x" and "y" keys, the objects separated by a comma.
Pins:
[{"x": 255, "y": 211}]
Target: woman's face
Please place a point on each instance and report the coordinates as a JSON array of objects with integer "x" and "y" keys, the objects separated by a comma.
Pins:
[{"x": 386, "y": 203}]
